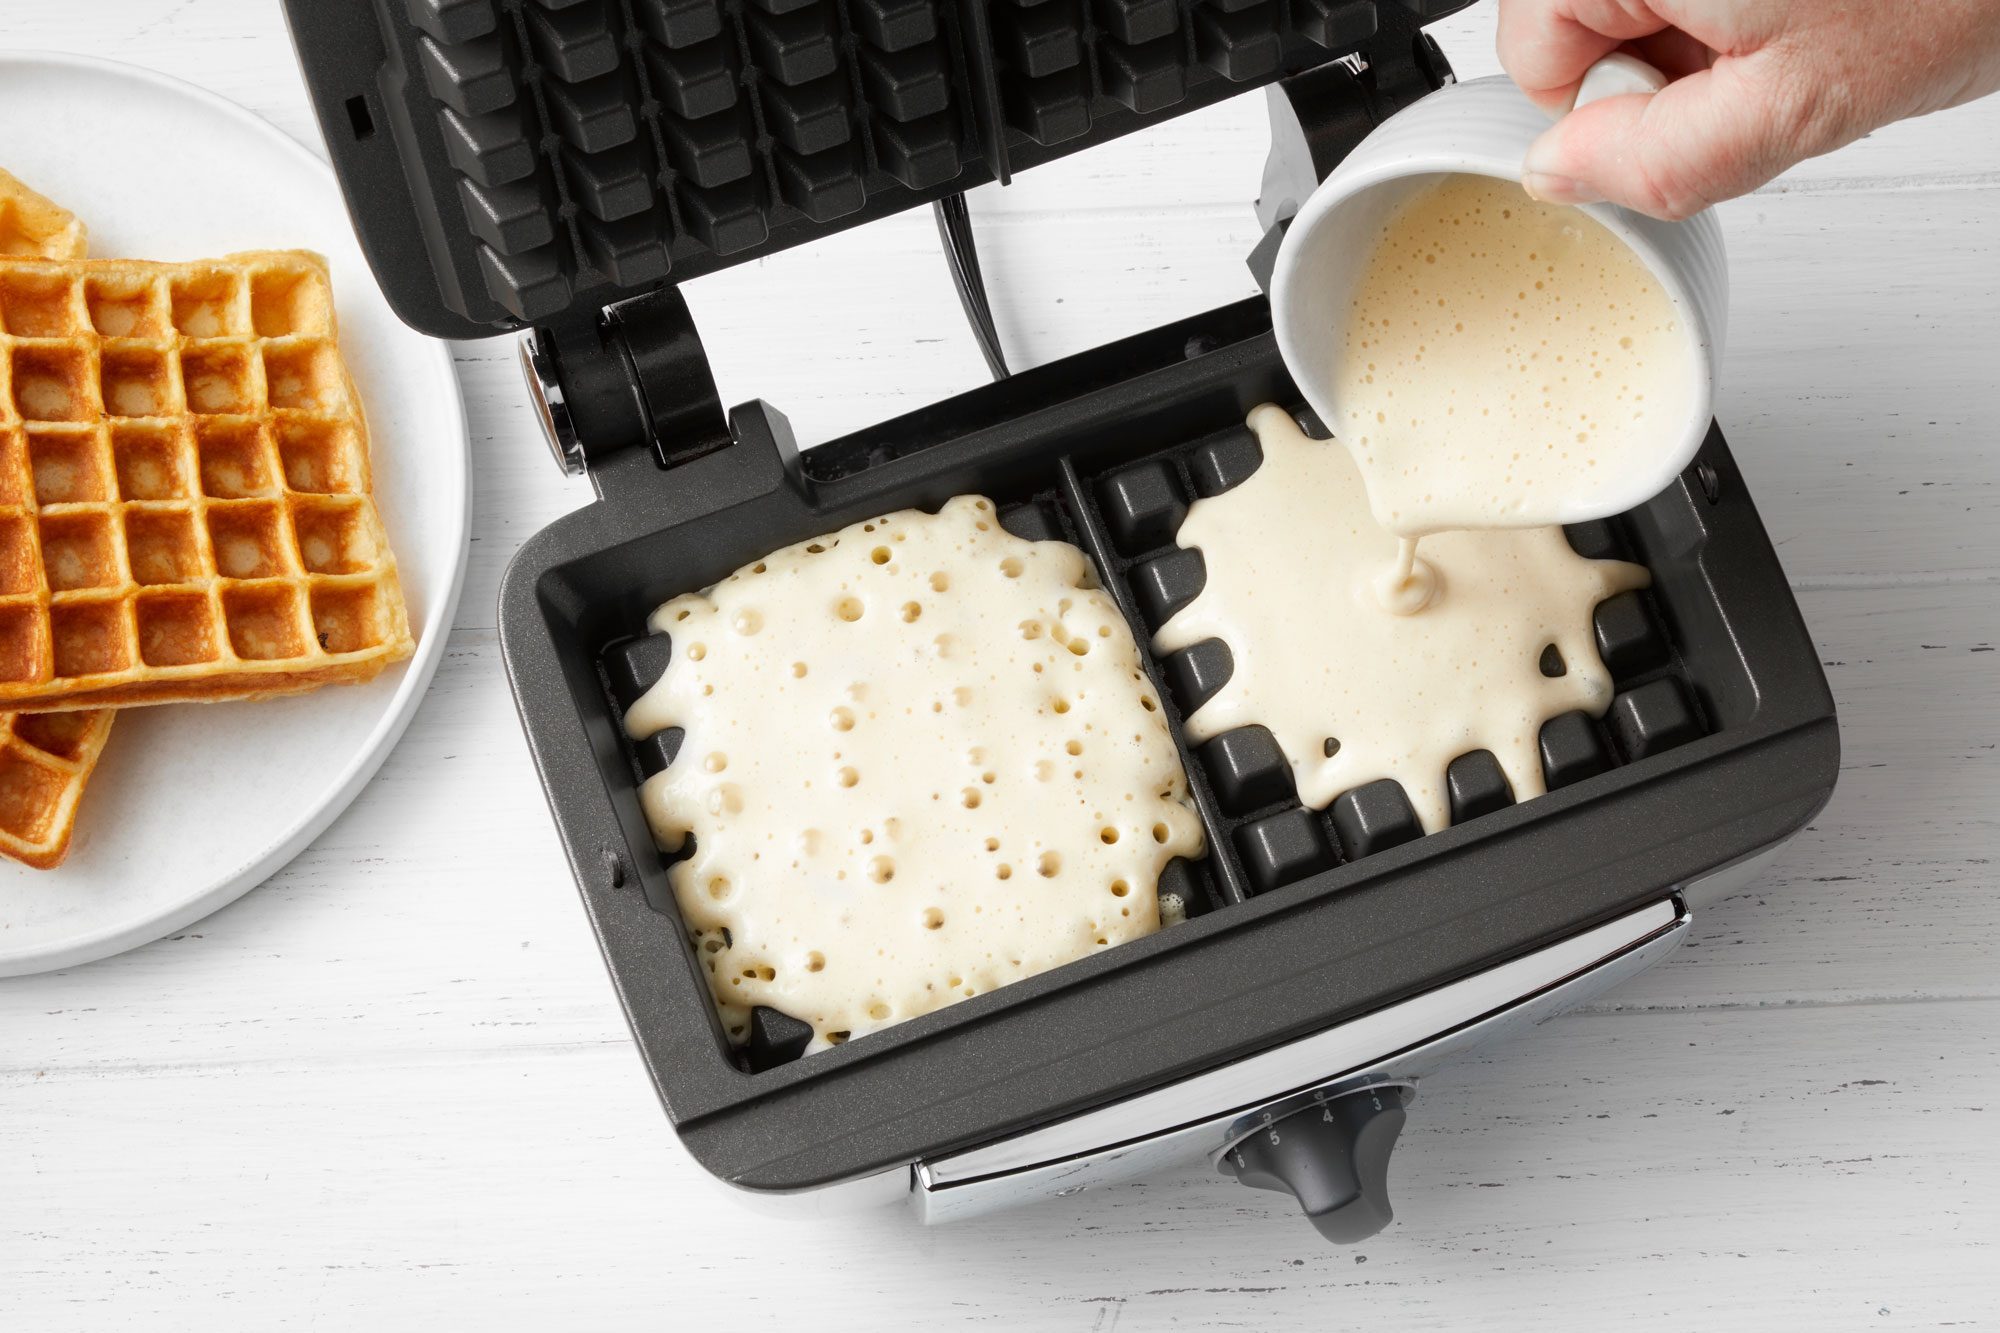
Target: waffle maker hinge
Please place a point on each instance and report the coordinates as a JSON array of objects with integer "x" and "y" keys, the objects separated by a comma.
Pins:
[{"x": 632, "y": 375}]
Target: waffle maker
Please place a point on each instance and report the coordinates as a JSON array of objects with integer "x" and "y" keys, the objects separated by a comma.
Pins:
[{"x": 555, "y": 167}]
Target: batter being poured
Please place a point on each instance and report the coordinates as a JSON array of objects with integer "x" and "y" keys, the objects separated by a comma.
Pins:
[
  {"x": 1501, "y": 356},
  {"x": 1498, "y": 353},
  {"x": 1353, "y": 692}
]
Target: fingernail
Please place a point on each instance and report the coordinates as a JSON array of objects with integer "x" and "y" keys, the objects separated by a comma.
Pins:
[
  {"x": 1545, "y": 157},
  {"x": 1553, "y": 189}
]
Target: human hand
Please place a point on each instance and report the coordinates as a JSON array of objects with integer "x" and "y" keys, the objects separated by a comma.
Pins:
[{"x": 1757, "y": 86}]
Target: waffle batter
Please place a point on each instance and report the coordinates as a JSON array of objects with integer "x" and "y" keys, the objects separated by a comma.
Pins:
[
  {"x": 1354, "y": 691},
  {"x": 1499, "y": 352},
  {"x": 921, "y": 761}
]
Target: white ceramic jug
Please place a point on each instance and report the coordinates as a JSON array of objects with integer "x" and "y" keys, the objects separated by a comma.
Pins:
[{"x": 1484, "y": 127}]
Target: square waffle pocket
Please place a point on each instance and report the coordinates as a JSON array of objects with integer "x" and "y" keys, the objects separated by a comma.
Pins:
[{"x": 185, "y": 501}]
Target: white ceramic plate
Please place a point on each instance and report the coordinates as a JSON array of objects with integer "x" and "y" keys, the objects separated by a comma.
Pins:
[{"x": 195, "y": 804}]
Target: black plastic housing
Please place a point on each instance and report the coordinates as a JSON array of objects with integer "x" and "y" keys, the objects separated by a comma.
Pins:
[
  {"x": 507, "y": 162},
  {"x": 1271, "y": 961}
]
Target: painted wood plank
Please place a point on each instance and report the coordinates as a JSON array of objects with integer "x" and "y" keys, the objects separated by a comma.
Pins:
[
  {"x": 1889, "y": 892},
  {"x": 1801, "y": 1168}
]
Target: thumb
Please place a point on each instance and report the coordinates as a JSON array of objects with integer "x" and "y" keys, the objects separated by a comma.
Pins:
[{"x": 1710, "y": 136}]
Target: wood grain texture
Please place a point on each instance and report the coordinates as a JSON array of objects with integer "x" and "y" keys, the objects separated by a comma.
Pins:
[
  {"x": 390, "y": 1089},
  {"x": 1828, "y": 1167}
]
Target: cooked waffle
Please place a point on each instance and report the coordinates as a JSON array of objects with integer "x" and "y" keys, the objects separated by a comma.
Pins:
[
  {"x": 185, "y": 505},
  {"x": 35, "y": 227},
  {"x": 45, "y": 760}
]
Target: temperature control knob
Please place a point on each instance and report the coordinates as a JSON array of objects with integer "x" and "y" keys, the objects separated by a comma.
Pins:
[{"x": 1332, "y": 1155}]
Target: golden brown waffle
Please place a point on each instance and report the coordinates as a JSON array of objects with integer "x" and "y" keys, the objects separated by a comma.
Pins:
[
  {"x": 45, "y": 760},
  {"x": 36, "y": 227},
  {"x": 185, "y": 506}
]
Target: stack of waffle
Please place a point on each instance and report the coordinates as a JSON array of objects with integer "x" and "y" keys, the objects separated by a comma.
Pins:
[{"x": 186, "y": 513}]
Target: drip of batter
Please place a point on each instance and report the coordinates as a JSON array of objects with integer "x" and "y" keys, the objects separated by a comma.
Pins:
[
  {"x": 1354, "y": 692},
  {"x": 1406, "y": 587},
  {"x": 921, "y": 761},
  {"x": 1498, "y": 353}
]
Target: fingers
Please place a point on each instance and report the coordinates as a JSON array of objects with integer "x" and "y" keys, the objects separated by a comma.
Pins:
[
  {"x": 1546, "y": 45},
  {"x": 1708, "y": 137}
]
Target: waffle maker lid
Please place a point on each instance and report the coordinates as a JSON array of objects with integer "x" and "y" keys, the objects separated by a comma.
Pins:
[{"x": 512, "y": 163}]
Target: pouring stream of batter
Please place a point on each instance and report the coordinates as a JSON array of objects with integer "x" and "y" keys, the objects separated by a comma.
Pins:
[{"x": 1498, "y": 353}]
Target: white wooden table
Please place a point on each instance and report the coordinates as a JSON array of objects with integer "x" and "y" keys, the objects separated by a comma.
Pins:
[{"x": 391, "y": 1089}]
